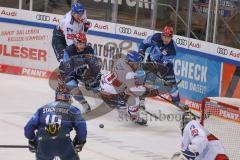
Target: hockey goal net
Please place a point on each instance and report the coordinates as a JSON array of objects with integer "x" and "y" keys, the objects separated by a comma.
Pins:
[{"x": 221, "y": 116}]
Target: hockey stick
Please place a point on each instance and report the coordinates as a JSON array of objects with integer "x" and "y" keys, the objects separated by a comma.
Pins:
[
  {"x": 178, "y": 156},
  {"x": 180, "y": 107},
  {"x": 13, "y": 146},
  {"x": 151, "y": 114},
  {"x": 183, "y": 108}
]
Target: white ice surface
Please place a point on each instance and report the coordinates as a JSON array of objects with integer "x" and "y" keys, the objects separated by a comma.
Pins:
[{"x": 118, "y": 140}]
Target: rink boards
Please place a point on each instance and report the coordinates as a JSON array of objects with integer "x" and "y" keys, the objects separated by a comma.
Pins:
[{"x": 25, "y": 49}]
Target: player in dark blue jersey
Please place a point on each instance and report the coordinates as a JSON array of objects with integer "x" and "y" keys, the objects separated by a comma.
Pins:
[
  {"x": 48, "y": 131},
  {"x": 80, "y": 64},
  {"x": 162, "y": 51}
]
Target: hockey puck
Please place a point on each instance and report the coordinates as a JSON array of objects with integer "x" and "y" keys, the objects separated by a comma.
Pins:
[{"x": 101, "y": 126}]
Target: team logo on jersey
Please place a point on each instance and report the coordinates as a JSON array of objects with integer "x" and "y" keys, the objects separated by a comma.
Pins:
[
  {"x": 163, "y": 51},
  {"x": 69, "y": 30},
  {"x": 52, "y": 129},
  {"x": 194, "y": 131}
]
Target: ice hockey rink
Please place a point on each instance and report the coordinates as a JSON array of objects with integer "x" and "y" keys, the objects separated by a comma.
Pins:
[{"x": 119, "y": 140}]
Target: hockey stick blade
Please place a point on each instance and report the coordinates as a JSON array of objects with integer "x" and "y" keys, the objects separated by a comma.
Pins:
[
  {"x": 177, "y": 156},
  {"x": 151, "y": 114},
  {"x": 13, "y": 146}
]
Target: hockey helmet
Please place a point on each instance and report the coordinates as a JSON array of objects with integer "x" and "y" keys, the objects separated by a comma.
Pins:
[
  {"x": 167, "y": 31},
  {"x": 78, "y": 8},
  {"x": 80, "y": 38},
  {"x": 133, "y": 56},
  {"x": 185, "y": 119},
  {"x": 62, "y": 93},
  {"x": 60, "y": 96}
]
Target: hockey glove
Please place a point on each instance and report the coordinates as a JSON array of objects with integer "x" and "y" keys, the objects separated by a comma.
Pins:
[
  {"x": 32, "y": 146},
  {"x": 142, "y": 54},
  {"x": 93, "y": 84},
  {"x": 87, "y": 25},
  {"x": 189, "y": 154},
  {"x": 78, "y": 144}
]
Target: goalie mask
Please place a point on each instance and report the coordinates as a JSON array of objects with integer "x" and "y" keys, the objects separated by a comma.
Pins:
[{"x": 185, "y": 119}]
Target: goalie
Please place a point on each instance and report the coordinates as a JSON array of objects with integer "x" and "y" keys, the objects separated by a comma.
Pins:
[{"x": 198, "y": 143}]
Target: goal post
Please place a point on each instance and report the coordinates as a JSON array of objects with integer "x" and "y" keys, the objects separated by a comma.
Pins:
[{"x": 221, "y": 117}]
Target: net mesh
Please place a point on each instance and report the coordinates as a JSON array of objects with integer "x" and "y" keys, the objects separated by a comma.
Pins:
[{"x": 223, "y": 120}]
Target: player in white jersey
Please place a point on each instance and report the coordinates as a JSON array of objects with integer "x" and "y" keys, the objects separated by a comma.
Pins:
[
  {"x": 198, "y": 143},
  {"x": 73, "y": 22},
  {"x": 121, "y": 89}
]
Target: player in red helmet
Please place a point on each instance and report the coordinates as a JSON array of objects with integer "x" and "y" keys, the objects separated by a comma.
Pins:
[
  {"x": 162, "y": 53},
  {"x": 80, "y": 64},
  {"x": 80, "y": 41},
  {"x": 167, "y": 35}
]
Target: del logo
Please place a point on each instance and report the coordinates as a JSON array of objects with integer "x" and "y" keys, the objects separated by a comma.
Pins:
[
  {"x": 99, "y": 26},
  {"x": 194, "y": 131},
  {"x": 8, "y": 13}
]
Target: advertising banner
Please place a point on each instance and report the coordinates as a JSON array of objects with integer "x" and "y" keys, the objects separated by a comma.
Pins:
[
  {"x": 26, "y": 46},
  {"x": 230, "y": 86},
  {"x": 25, "y": 49},
  {"x": 108, "y": 48},
  {"x": 200, "y": 76}
]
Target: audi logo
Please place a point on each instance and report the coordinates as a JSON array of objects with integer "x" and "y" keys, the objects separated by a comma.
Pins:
[
  {"x": 125, "y": 30},
  {"x": 42, "y": 17},
  {"x": 222, "y": 51},
  {"x": 181, "y": 41}
]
